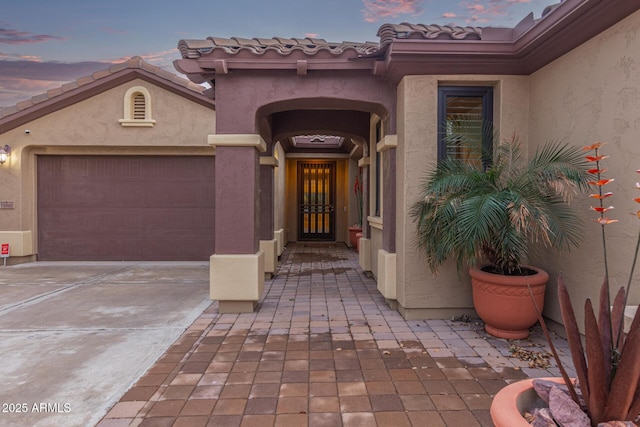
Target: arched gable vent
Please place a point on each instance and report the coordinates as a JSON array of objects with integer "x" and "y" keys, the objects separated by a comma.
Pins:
[{"x": 137, "y": 108}]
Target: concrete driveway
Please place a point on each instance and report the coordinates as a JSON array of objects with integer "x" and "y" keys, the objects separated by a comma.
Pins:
[{"x": 75, "y": 336}]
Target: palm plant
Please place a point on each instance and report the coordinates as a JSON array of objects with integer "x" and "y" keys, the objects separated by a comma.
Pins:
[{"x": 494, "y": 207}]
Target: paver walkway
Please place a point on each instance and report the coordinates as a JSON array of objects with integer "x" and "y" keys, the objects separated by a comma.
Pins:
[{"x": 324, "y": 349}]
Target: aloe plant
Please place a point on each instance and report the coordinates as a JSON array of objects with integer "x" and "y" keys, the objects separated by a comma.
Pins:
[{"x": 608, "y": 365}]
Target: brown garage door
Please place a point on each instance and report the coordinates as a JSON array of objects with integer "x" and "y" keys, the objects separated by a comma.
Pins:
[{"x": 136, "y": 208}]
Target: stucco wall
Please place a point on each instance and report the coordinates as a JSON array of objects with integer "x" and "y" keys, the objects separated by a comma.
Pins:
[
  {"x": 279, "y": 188},
  {"x": 420, "y": 293},
  {"x": 593, "y": 94},
  {"x": 91, "y": 127}
]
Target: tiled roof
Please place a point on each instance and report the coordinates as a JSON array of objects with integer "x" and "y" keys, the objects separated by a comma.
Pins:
[
  {"x": 390, "y": 32},
  {"x": 135, "y": 62},
  {"x": 191, "y": 49}
]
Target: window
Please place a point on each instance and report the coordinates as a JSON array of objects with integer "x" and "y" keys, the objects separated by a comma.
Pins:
[
  {"x": 137, "y": 108},
  {"x": 465, "y": 123}
]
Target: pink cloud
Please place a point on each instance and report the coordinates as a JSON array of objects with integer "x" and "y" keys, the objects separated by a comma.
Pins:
[
  {"x": 483, "y": 11},
  {"x": 163, "y": 55},
  {"x": 15, "y": 90},
  {"x": 449, "y": 15},
  {"x": 311, "y": 35},
  {"x": 163, "y": 59},
  {"x": 17, "y": 57},
  {"x": 22, "y": 77},
  {"x": 47, "y": 70},
  {"x": 23, "y": 37},
  {"x": 375, "y": 10}
]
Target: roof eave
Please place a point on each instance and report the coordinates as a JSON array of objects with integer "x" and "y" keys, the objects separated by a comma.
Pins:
[
  {"x": 566, "y": 27},
  {"x": 207, "y": 68},
  {"x": 536, "y": 44}
]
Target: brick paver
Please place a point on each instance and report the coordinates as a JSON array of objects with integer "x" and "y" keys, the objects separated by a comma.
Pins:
[{"x": 324, "y": 349}]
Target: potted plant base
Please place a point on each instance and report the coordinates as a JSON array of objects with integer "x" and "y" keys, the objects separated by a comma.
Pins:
[
  {"x": 510, "y": 403},
  {"x": 353, "y": 231},
  {"x": 504, "y": 302}
]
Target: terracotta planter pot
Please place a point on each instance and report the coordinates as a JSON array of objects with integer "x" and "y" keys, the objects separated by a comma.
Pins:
[
  {"x": 504, "y": 302},
  {"x": 511, "y": 402},
  {"x": 358, "y": 236},
  {"x": 353, "y": 240}
]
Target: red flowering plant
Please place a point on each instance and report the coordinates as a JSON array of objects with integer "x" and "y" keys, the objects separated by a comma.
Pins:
[{"x": 608, "y": 366}]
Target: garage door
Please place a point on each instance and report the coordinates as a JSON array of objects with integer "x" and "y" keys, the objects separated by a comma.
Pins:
[{"x": 137, "y": 208}]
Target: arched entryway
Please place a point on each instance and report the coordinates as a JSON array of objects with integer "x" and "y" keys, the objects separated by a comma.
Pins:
[
  {"x": 318, "y": 152},
  {"x": 276, "y": 127}
]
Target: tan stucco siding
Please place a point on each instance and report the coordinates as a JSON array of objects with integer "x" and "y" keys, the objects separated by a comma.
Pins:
[
  {"x": 91, "y": 127},
  {"x": 593, "y": 94},
  {"x": 418, "y": 289}
]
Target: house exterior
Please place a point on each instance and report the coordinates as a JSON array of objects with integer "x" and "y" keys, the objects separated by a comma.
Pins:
[
  {"x": 103, "y": 168},
  {"x": 289, "y": 124}
]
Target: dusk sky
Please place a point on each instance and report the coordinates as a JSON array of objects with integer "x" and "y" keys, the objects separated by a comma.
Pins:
[{"x": 46, "y": 43}]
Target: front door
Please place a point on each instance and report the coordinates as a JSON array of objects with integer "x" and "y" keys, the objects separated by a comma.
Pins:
[{"x": 316, "y": 200}]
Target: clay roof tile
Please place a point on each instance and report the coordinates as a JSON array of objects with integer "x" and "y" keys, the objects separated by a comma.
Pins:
[
  {"x": 6, "y": 111},
  {"x": 54, "y": 92},
  {"x": 247, "y": 42},
  {"x": 84, "y": 80},
  {"x": 100, "y": 74},
  {"x": 69, "y": 86},
  {"x": 118, "y": 67},
  {"x": 24, "y": 104},
  {"x": 219, "y": 41},
  {"x": 39, "y": 98}
]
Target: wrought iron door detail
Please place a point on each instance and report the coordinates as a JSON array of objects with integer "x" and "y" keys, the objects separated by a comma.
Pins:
[{"x": 316, "y": 200}]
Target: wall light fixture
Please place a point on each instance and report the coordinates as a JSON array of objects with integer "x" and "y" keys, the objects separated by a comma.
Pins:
[{"x": 4, "y": 153}]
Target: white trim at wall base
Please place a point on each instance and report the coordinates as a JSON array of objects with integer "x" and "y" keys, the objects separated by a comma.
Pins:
[
  {"x": 20, "y": 242},
  {"x": 364, "y": 253},
  {"x": 270, "y": 248},
  {"x": 386, "y": 276},
  {"x": 279, "y": 236},
  {"x": 236, "y": 279}
]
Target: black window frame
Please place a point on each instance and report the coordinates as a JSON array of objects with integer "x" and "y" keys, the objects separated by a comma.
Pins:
[{"x": 484, "y": 92}]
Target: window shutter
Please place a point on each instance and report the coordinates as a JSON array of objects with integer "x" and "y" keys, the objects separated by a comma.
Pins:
[
  {"x": 465, "y": 123},
  {"x": 464, "y": 128}
]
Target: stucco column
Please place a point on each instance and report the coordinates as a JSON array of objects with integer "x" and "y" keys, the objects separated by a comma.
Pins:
[
  {"x": 268, "y": 243},
  {"x": 364, "y": 245},
  {"x": 237, "y": 266},
  {"x": 387, "y": 254}
]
